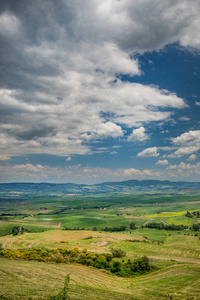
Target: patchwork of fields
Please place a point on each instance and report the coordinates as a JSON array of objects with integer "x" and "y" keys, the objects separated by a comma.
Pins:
[{"x": 94, "y": 222}]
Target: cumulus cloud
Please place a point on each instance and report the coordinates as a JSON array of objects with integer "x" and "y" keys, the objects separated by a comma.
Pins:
[
  {"x": 68, "y": 158},
  {"x": 162, "y": 162},
  {"x": 197, "y": 103},
  {"x": 81, "y": 174},
  {"x": 183, "y": 151},
  {"x": 28, "y": 167},
  {"x": 77, "y": 51},
  {"x": 191, "y": 137},
  {"x": 149, "y": 152},
  {"x": 184, "y": 118},
  {"x": 192, "y": 157},
  {"x": 4, "y": 157},
  {"x": 190, "y": 169},
  {"x": 188, "y": 143},
  {"x": 134, "y": 172},
  {"x": 138, "y": 135},
  {"x": 77, "y": 173},
  {"x": 104, "y": 130}
]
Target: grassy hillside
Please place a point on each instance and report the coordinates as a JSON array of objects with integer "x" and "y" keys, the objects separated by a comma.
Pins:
[
  {"x": 39, "y": 279},
  {"x": 175, "y": 254},
  {"x": 176, "y": 246}
]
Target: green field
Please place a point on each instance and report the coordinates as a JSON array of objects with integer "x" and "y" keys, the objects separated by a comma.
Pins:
[
  {"x": 20, "y": 279},
  {"x": 174, "y": 254}
]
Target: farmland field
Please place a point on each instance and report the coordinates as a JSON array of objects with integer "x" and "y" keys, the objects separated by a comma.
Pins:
[{"x": 100, "y": 223}]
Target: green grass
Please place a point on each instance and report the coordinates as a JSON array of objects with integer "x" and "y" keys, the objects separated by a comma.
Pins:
[
  {"x": 176, "y": 246},
  {"x": 23, "y": 278},
  {"x": 40, "y": 279},
  {"x": 82, "y": 210},
  {"x": 6, "y": 227}
]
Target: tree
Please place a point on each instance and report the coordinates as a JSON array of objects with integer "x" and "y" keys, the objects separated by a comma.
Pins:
[
  {"x": 132, "y": 225},
  {"x": 196, "y": 227},
  {"x": 18, "y": 230}
]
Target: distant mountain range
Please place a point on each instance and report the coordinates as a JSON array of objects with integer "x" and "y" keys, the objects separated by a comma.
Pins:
[{"x": 106, "y": 187}]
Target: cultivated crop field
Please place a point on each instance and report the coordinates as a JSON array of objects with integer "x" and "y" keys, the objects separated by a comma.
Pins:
[{"x": 98, "y": 224}]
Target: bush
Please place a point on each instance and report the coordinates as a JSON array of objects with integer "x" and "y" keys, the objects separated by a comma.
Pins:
[
  {"x": 90, "y": 262},
  {"x": 101, "y": 263},
  {"x": 116, "y": 267},
  {"x": 82, "y": 261},
  {"x": 58, "y": 258},
  {"x": 117, "y": 252},
  {"x": 74, "y": 253},
  {"x": 109, "y": 257}
]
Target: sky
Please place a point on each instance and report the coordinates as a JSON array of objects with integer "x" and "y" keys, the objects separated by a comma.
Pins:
[{"x": 94, "y": 91}]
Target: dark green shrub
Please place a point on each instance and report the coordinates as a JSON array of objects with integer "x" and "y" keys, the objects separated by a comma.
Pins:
[
  {"x": 132, "y": 225},
  {"x": 116, "y": 267},
  {"x": 18, "y": 230},
  {"x": 90, "y": 262},
  {"x": 109, "y": 257},
  {"x": 82, "y": 261},
  {"x": 101, "y": 263}
]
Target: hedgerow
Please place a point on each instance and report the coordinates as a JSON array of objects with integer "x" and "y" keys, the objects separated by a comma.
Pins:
[{"x": 105, "y": 261}]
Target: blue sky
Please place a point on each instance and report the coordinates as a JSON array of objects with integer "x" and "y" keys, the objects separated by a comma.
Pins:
[{"x": 95, "y": 91}]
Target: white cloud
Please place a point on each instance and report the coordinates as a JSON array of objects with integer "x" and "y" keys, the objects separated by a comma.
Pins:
[
  {"x": 116, "y": 146},
  {"x": 192, "y": 157},
  {"x": 4, "y": 157},
  {"x": 68, "y": 158},
  {"x": 184, "y": 118},
  {"x": 191, "y": 137},
  {"x": 138, "y": 135},
  {"x": 189, "y": 142},
  {"x": 183, "y": 151},
  {"x": 108, "y": 129},
  {"x": 165, "y": 131},
  {"x": 28, "y": 168},
  {"x": 78, "y": 54},
  {"x": 134, "y": 172},
  {"x": 149, "y": 152},
  {"x": 162, "y": 162},
  {"x": 187, "y": 168},
  {"x": 81, "y": 174},
  {"x": 113, "y": 152},
  {"x": 197, "y": 103},
  {"x": 76, "y": 173}
]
